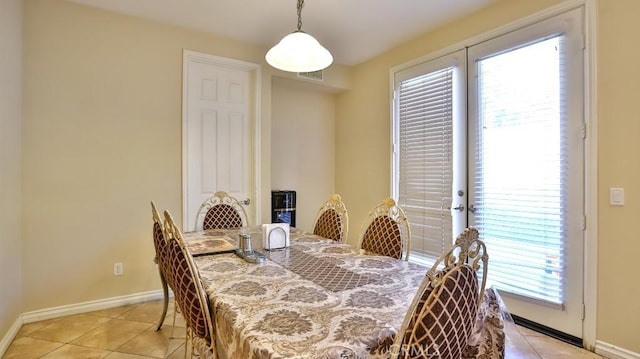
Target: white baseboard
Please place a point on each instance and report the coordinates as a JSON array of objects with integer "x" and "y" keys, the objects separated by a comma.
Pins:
[
  {"x": 613, "y": 352},
  {"x": 71, "y": 309},
  {"x": 10, "y": 335},
  {"x": 84, "y": 307}
]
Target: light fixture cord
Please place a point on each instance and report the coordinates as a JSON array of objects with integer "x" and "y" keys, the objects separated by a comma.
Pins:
[{"x": 300, "y": 5}]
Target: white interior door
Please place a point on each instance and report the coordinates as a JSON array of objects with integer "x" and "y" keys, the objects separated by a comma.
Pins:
[{"x": 217, "y": 133}]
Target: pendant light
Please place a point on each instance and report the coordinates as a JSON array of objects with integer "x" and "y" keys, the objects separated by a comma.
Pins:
[{"x": 299, "y": 51}]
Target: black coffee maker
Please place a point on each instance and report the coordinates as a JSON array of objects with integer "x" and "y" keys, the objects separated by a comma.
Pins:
[{"x": 283, "y": 207}]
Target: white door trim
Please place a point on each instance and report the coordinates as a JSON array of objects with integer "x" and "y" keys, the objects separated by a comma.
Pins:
[
  {"x": 589, "y": 326},
  {"x": 256, "y": 78}
]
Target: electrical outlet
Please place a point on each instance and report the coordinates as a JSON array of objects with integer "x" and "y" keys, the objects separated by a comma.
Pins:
[{"x": 118, "y": 268}]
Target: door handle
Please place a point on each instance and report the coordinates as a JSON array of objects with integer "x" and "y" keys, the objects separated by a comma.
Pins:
[
  {"x": 247, "y": 201},
  {"x": 459, "y": 208},
  {"x": 472, "y": 208}
]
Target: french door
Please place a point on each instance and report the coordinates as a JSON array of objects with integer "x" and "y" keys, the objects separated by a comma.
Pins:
[
  {"x": 500, "y": 146},
  {"x": 429, "y": 165}
]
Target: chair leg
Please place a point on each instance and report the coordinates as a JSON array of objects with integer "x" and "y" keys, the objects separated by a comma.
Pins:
[
  {"x": 173, "y": 324},
  {"x": 165, "y": 291},
  {"x": 188, "y": 344}
]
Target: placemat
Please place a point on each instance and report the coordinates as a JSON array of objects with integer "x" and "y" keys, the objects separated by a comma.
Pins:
[{"x": 206, "y": 246}]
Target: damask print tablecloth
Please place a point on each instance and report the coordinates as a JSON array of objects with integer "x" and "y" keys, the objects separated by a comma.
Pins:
[{"x": 337, "y": 305}]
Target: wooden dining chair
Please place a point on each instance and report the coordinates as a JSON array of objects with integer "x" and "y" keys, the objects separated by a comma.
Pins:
[
  {"x": 190, "y": 294},
  {"x": 386, "y": 231},
  {"x": 442, "y": 315},
  {"x": 332, "y": 220},
  {"x": 161, "y": 259},
  {"x": 221, "y": 211}
]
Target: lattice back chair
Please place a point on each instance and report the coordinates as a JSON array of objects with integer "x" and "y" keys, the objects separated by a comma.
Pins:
[
  {"x": 190, "y": 294},
  {"x": 161, "y": 260},
  {"x": 221, "y": 211},
  {"x": 441, "y": 316},
  {"x": 332, "y": 220},
  {"x": 386, "y": 231}
]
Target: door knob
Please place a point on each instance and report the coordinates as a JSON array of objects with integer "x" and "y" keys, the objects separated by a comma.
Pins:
[
  {"x": 247, "y": 201},
  {"x": 472, "y": 208},
  {"x": 459, "y": 208}
]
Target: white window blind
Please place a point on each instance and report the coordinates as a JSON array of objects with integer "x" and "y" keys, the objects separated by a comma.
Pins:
[
  {"x": 521, "y": 169},
  {"x": 425, "y": 131}
]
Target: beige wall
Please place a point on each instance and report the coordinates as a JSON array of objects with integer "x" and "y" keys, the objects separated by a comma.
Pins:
[
  {"x": 102, "y": 137},
  {"x": 10, "y": 122},
  {"x": 302, "y": 145},
  {"x": 619, "y": 166},
  {"x": 363, "y": 130}
]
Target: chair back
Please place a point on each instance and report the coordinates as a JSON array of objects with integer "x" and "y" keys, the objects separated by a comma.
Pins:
[
  {"x": 332, "y": 221},
  {"x": 441, "y": 317},
  {"x": 221, "y": 211},
  {"x": 158, "y": 235},
  {"x": 189, "y": 291},
  {"x": 160, "y": 244},
  {"x": 386, "y": 231}
]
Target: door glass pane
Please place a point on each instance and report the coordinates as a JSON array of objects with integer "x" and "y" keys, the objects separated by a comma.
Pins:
[
  {"x": 425, "y": 124},
  {"x": 520, "y": 169}
]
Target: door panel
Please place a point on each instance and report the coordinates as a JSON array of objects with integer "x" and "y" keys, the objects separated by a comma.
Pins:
[
  {"x": 218, "y": 141},
  {"x": 526, "y": 169},
  {"x": 430, "y": 157}
]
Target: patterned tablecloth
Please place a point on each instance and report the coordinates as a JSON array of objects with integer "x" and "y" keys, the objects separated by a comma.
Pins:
[{"x": 316, "y": 299}]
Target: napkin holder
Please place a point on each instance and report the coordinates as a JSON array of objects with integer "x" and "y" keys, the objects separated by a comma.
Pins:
[{"x": 275, "y": 236}]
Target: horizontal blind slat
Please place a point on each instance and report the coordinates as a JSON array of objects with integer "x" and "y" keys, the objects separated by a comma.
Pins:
[
  {"x": 520, "y": 181},
  {"x": 425, "y": 108}
]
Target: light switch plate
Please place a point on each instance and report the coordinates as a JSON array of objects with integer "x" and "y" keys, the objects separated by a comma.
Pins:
[{"x": 616, "y": 196}]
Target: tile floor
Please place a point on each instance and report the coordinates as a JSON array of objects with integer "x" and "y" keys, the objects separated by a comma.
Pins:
[{"x": 129, "y": 333}]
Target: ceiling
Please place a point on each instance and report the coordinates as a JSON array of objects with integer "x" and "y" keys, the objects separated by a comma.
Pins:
[{"x": 353, "y": 30}]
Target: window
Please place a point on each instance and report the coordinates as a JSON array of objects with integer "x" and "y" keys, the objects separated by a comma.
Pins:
[
  {"x": 426, "y": 105},
  {"x": 520, "y": 169}
]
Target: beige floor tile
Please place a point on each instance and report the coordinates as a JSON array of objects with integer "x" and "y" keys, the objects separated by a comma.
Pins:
[
  {"x": 152, "y": 343},
  {"x": 112, "y": 334},
  {"x": 552, "y": 348},
  {"x": 69, "y": 351},
  {"x": 178, "y": 353},
  {"x": 68, "y": 328},
  {"x": 112, "y": 312},
  {"x": 116, "y": 355},
  {"x": 29, "y": 328},
  {"x": 585, "y": 355},
  {"x": 27, "y": 348},
  {"x": 148, "y": 312},
  {"x": 514, "y": 353},
  {"x": 528, "y": 332},
  {"x": 169, "y": 319},
  {"x": 519, "y": 349}
]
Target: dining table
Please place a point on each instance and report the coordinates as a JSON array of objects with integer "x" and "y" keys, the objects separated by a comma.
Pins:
[{"x": 317, "y": 298}]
